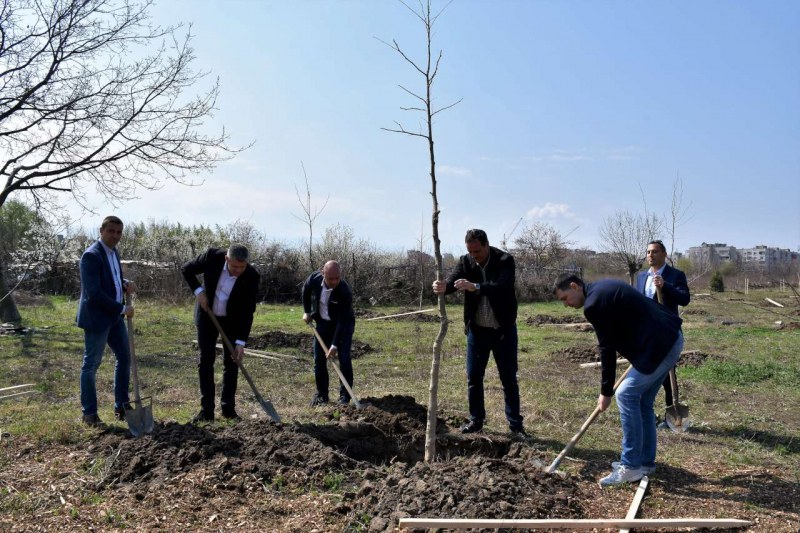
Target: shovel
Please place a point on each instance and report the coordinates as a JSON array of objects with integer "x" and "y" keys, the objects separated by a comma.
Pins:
[
  {"x": 266, "y": 405},
  {"x": 571, "y": 444},
  {"x": 138, "y": 416},
  {"x": 677, "y": 415},
  {"x": 336, "y": 367}
]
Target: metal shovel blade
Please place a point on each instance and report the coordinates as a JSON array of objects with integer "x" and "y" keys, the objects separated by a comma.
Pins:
[
  {"x": 677, "y": 417},
  {"x": 140, "y": 417}
]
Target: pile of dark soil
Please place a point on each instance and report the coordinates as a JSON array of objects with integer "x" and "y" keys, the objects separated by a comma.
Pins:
[
  {"x": 694, "y": 311},
  {"x": 374, "y": 455},
  {"x": 538, "y": 320},
  {"x": 578, "y": 354},
  {"x": 305, "y": 343},
  {"x": 695, "y": 358}
]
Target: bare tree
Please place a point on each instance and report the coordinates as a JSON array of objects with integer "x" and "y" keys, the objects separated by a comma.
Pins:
[
  {"x": 678, "y": 213},
  {"x": 541, "y": 246},
  {"x": 428, "y": 70},
  {"x": 310, "y": 214},
  {"x": 624, "y": 235},
  {"x": 93, "y": 95}
]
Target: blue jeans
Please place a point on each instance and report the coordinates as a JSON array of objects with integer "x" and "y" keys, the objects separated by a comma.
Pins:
[
  {"x": 635, "y": 398},
  {"x": 502, "y": 343},
  {"x": 326, "y": 329},
  {"x": 116, "y": 337}
]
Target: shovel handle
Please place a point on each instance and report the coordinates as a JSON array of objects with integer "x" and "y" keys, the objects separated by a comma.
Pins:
[
  {"x": 132, "y": 348},
  {"x": 335, "y": 366},
  {"x": 265, "y": 405},
  {"x": 673, "y": 381},
  {"x": 659, "y": 295},
  {"x": 571, "y": 444}
]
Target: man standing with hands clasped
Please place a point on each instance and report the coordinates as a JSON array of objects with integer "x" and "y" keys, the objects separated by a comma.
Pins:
[
  {"x": 100, "y": 315},
  {"x": 486, "y": 275},
  {"x": 229, "y": 290},
  {"x": 673, "y": 288},
  {"x": 328, "y": 300}
]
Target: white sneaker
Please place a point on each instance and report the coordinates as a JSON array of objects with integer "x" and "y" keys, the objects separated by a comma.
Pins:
[
  {"x": 620, "y": 475},
  {"x": 647, "y": 470}
]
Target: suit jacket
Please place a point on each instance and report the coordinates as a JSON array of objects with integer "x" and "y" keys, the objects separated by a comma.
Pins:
[
  {"x": 498, "y": 287},
  {"x": 98, "y": 307},
  {"x": 242, "y": 300},
  {"x": 675, "y": 291},
  {"x": 340, "y": 304},
  {"x": 628, "y": 322}
]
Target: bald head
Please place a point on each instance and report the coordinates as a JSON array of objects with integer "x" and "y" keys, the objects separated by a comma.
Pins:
[{"x": 332, "y": 274}]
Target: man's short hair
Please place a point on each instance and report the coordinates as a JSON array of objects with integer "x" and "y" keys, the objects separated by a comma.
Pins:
[
  {"x": 111, "y": 219},
  {"x": 238, "y": 252},
  {"x": 564, "y": 280},
  {"x": 477, "y": 235},
  {"x": 659, "y": 243}
]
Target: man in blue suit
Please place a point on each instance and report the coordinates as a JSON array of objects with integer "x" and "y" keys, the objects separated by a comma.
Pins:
[
  {"x": 646, "y": 334},
  {"x": 672, "y": 284},
  {"x": 100, "y": 315}
]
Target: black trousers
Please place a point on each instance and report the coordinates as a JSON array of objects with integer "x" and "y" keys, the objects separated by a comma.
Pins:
[{"x": 207, "y": 336}]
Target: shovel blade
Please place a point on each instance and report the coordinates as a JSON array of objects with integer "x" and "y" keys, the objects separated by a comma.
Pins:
[
  {"x": 140, "y": 418},
  {"x": 677, "y": 417},
  {"x": 266, "y": 405}
]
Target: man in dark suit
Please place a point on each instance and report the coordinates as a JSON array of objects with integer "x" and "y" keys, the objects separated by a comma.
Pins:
[
  {"x": 646, "y": 334},
  {"x": 672, "y": 284},
  {"x": 229, "y": 290},
  {"x": 486, "y": 275},
  {"x": 328, "y": 300},
  {"x": 100, "y": 315}
]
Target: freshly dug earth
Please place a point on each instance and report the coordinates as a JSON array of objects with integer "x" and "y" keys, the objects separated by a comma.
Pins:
[
  {"x": 280, "y": 339},
  {"x": 578, "y": 354},
  {"x": 695, "y": 358},
  {"x": 538, "y": 320}
]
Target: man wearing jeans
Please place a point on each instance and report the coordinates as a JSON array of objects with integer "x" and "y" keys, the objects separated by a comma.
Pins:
[
  {"x": 101, "y": 316},
  {"x": 646, "y": 334},
  {"x": 486, "y": 275}
]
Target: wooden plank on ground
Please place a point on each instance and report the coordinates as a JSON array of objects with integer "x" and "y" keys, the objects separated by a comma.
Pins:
[
  {"x": 568, "y": 523},
  {"x": 773, "y": 302},
  {"x": 637, "y": 501},
  {"x": 401, "y": 314}
]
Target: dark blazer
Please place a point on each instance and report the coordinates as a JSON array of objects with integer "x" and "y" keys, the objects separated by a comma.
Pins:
[
  {"x": 628, "y": 322},
  {"x": 242, "y": 301},
  {"x": 340, "y": 304},
  {"x": 498, "y": 287},
  {"x": 98, "y": 307},
  {"x": 675, "y": 291}
]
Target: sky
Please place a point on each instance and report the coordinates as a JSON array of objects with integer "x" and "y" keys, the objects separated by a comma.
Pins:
[{"x": 569, "y": 111}]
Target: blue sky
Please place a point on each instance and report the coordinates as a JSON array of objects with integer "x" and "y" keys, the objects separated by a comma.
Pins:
[{"x": 569, "y": 110}]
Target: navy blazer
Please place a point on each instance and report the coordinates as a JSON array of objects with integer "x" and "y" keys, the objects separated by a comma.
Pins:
[
  {"x": 243, "y": 297},
  {"x": 340, "y": 304},
  {"x": 498, "y": 287},
  {"x": 628, "y": 322},
  {"x": 98, "y": 307},
  {"x": 675, "y": 291}
]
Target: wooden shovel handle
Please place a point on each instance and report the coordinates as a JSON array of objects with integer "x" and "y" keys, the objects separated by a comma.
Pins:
[
  {"x": 335, "y": 366},
  {"x": 132, "y": 348},
  {"x": 571, "y": 444}
]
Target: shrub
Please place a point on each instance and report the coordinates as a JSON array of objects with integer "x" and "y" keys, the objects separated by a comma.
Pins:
[{"x": 717, "y": 285}]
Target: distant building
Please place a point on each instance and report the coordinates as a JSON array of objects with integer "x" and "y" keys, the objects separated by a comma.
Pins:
[{"x": 768, "y": 257}]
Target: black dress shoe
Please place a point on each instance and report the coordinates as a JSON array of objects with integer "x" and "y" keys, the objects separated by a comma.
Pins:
[
  {"x": 202, "y": 416},
  {"x": 231, "y": 414},
  {"x": 344, "y": 401},
  {"x": 473, "y": 426},
  {"x": 519, "y": 432},
  {"x": 92, "y": 420},
  {"x": 318, "y": 399},
  {"x": 119, "y": 412}
]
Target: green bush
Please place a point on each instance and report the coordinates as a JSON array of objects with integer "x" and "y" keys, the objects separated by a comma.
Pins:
[{"x": 717, "y": 285}]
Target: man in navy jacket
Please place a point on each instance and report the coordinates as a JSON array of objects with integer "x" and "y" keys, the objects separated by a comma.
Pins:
[
  {"x": 646, "y": 334},
  {"x": 486, "y": 275},
  {"x": 672, "y": 284},
  {"x": 328, "y": 300},
  {"x": 230, "y": 291},
  {"x": 100, "y": 315}
]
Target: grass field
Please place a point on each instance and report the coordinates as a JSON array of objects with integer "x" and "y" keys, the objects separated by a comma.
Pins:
[{"x": 744, "y": 396}]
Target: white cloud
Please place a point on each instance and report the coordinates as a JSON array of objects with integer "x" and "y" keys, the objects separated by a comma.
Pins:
[
  {"x": 454, "y": 171},
  {"x": 551, "y": 211}
]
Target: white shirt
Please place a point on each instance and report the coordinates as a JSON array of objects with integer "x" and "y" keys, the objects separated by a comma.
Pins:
[
  {"x": 324, "y": 298},
  {"x": 649, "y": 288},
  {"x": 115, "y": 272},
  {"x": 223, "y": 293}
]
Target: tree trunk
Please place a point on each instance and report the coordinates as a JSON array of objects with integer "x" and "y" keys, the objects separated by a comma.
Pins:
[{"x": 8, "y": 309}]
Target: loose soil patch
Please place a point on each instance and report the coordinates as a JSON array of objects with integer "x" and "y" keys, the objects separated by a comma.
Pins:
[
  {"x": 695, "y": 358},
  {"x": 578, "y": 354},
  {"x": 538, "y": 320},
  {"x": 305, "y": 343}
]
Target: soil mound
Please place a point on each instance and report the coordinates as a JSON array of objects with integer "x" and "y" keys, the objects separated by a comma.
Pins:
[
  {"x": 695, "y": 358},
  {"x": 538, "y": 320},
  {"x": 305, "y": 343},
  {"x": 695, "y": 311},
  {"x": 578, "y": 354},
  {"x": 511, "y": 487}
]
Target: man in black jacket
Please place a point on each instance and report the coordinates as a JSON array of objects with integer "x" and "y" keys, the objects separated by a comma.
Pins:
[
  {"x": 328, "y": 300},
  {"x": 486, "y": 275},
  {"x": 229, "y": 290}
]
